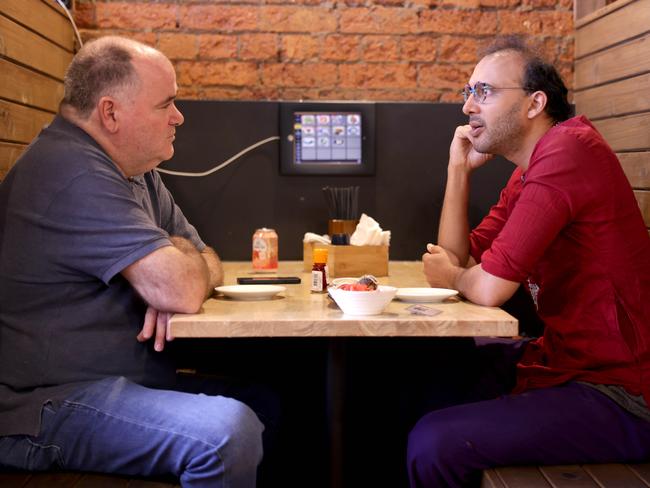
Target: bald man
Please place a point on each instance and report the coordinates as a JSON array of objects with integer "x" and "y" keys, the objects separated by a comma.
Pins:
[{"x": 94, "y": 257}]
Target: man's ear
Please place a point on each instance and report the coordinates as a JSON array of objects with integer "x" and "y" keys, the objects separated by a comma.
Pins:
[
  {"x": 537, "y": 105},
  {"x": 106, "y": 110}
]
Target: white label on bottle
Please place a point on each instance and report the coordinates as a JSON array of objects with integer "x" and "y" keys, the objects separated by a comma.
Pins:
[{"x": 316, "y": 281}]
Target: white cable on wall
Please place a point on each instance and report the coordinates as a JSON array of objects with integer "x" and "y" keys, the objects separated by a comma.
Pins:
[
  {"x": 222, "y": 165},
  {"x": 74, "y": 26}
]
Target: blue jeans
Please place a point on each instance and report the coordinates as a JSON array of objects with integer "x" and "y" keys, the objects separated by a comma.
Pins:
[{"x": 116, "y": 426}]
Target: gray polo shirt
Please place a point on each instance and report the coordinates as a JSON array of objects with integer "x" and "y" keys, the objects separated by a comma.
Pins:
[{"x": 70, "y": 222}]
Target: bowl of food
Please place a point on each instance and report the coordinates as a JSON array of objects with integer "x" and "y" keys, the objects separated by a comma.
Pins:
[{"x": 363, "y": 297}]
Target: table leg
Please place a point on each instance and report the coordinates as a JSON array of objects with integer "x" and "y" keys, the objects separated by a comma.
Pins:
[{"x": 335, "y": 405}]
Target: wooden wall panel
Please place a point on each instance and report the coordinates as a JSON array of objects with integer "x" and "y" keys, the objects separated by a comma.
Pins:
[
  {"x": 629, "y": 133},
  {"x": 47, "y": 22},
  {"x": 619, "y": 98},
  {"x": 612, "y": 85},
  {"x": 643, "y": 197},
  {"x": 24, "y": 46},
  {"x": 619, "y": 25},
  {"x": 28, "y": 87},
  {"x": 36, "y": 47},
  {"x": 9, "y": 153},
  {"x": 621, "y": 61},
  {"x": 637, "y": 168},
  {"x": 19, "y": 123}
]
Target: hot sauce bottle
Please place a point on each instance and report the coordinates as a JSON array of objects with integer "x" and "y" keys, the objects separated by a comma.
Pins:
[{"x": 319, "y": 271}]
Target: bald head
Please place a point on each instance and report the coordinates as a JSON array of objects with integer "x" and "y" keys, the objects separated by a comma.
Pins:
[{"x": 103, "y": 67}]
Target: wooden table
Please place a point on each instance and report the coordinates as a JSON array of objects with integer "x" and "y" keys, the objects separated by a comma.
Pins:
[{"x": 299, "y": 313}]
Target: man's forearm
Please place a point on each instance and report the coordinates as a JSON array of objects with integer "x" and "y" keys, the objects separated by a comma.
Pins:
[
  {"x": 453, "y": 231},
  {"x": 215, "y": 268}
]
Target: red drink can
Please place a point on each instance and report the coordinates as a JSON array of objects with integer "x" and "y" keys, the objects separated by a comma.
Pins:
[{"x": 265, "y": 250}]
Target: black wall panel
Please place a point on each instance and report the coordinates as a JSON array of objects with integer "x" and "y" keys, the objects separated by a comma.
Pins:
[{"x": 404, "y": 196}]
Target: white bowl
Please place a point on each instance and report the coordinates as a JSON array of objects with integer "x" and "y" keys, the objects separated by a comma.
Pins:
[{"x": 363, "y": 302}]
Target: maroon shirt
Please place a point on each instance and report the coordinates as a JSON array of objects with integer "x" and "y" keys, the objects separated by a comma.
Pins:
[{"x": 571, "y": 230}]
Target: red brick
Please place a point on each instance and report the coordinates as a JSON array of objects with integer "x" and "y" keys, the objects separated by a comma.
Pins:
[
  {"x": 501, "y": 3},
  {"x": 450, "y": 97},
  {"x": 299, "y": 47},
  {"x": 561, "y": 4},
  {"x": 227, "y": 73},
  {"x": 84, "y": 14},
  {"x": 148, "y": 38},
  {"x": 378, "y": 75},
  {"x": 390, "y": 3},
  {"x": 258, "y": 46},
  {"x": 379, "y": 20},
  {"x": 340, "y": 48},
  {"x": 178, "y": 46},
  {"x": 218, "y": 17},
  {"x": 300, "y": 94},
  {"x": 419, "y": 48},
  {"x": 215, "y": 46},
  {"x": 380, "y": 48},
  {"x": 243, "y": 93},
  {"x": 295, "y": 75},
  {"x": 297, "y": 19},
  {"x": 459, "y": 49},
  {"x": 472, "y": 22},
  {"x": 122, "y": 15},
  {"x": 556, "y": 23},
  {"x": 441, "y": 76},
  {"x": 462, "y": 3},
  {"x": 567, "y": 53}
]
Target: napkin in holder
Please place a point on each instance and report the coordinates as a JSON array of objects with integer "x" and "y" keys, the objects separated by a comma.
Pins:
[{"x": 366, "y": 254}]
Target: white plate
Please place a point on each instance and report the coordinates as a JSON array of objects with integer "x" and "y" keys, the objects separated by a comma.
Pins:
[
  {"x": 424, "y": 295},
  {"x": 250, "y": 292}
]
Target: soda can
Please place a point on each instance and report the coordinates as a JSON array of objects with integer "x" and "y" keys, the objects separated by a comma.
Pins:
[{"x": 265, "y": 250}]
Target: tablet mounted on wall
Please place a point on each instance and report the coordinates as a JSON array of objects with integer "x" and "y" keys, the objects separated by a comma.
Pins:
[{"x": 327, "y": 138}]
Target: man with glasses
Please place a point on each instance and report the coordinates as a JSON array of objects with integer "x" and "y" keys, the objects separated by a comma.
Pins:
[{"x": 567, "y": 227}]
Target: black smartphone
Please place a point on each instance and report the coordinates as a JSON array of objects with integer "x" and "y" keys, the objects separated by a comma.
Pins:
[{"x": 268, "y": 280}]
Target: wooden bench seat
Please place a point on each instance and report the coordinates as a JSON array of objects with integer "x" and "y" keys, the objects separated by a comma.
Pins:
[
  {"x": 583, "y": 476},
  {"x": 77, "y": 480}
]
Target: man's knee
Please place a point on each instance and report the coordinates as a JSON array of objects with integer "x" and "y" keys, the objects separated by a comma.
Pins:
[{"x": 236, "y": 428}]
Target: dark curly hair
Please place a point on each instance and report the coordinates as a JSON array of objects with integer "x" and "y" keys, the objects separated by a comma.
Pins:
[
  {"x": 538, "y": 75},
  {"x": 100, "y": 68}
]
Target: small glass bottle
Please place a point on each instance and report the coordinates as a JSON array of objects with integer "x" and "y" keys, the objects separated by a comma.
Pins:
[{"x": 319, "y": 271}]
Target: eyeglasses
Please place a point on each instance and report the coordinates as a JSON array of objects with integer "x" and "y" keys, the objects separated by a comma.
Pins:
[{"x": 481, "y": 90}]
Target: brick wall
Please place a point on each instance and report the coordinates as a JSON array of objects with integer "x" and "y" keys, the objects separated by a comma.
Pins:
[{"x": 421, "y": 50}]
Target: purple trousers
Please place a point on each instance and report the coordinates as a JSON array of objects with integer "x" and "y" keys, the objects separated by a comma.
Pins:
[{"x": 567, "y": 424}]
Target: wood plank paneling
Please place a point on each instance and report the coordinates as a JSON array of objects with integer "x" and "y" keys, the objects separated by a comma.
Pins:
[
  {"x": 642, "y": 471},
  {"x": 9, "y": 153},
  {"x": 570, "y": 476},
  {"x": 22, "y": 45},
  {"x": 622, "y": 97},
  {"x": 636, "y": 166},
  {"x": 643, "y": 197},
  {"x": 622, "y": 61},
  {"x": 491, "y": 479},
  {"x": 615, "y": 27},
  {"x": 28, "y": 87},
  {"x": 47, "y": 22},
  {"x": 528, "y": 476},
  {"x": 21, "y": 124},
  {"x": 614, "y": 476},
  {"x": 626, "y": 133},
  {"x": 585, "y": 7}
]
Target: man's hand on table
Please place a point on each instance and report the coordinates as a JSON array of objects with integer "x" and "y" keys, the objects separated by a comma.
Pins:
[
  {"x": 156, "y": 324},
  {"x": 440, "y": 267}
]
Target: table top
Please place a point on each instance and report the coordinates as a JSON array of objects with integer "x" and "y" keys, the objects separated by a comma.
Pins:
[{"x": 299, "y": 313}]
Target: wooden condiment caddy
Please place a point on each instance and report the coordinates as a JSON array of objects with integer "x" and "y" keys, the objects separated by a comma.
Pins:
[{"x": 349, "y": 260}]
